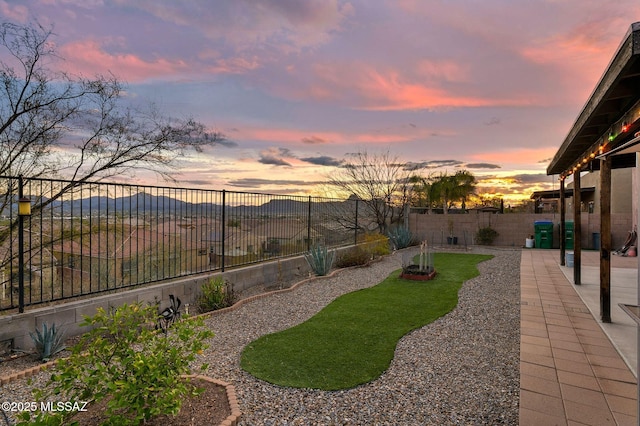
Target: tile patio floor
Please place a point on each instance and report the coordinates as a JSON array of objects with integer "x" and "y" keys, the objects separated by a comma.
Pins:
[{"x": 570, "y": 371}]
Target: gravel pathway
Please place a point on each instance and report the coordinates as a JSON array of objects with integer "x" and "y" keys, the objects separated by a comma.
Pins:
[{"x": 463, "y": 369}]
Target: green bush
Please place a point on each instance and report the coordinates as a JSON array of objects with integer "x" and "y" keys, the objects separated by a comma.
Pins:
[
  {"x": 320, "y": 259},
  {"x": 486, "y": 235},
  {"x": 48, "y": 342},
  {"x": 215, "y": 294},
  {"x": 125, "y": 362}
]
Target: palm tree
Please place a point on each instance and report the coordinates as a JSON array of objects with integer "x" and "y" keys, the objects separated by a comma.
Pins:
[
  {"x": 465, "y": 185},
  {"x": 423, "y": 191},
  {"x": 448, "y": 189}
]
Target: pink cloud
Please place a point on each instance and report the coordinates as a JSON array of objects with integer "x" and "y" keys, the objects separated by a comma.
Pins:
[
  {"x": 581, "y": 53},
  {"x": 516, "y": 156},
  {"x": 391, "y": 91},
  {"x": 423, "y": 85},
  {"x": 87, "y": 57},
  {"x": 16, "y": 13}
]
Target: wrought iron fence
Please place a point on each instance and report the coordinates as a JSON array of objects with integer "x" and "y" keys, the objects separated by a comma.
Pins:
[{"x": 91, "y": 237}]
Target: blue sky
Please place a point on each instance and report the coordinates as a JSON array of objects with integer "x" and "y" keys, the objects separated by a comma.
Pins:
[{"x": 492, "y": 86}]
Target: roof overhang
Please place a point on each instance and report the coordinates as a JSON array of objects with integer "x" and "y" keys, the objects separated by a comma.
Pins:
[
  {"x": 554, "y": 194},
  {"x": 611, "y": 116}
]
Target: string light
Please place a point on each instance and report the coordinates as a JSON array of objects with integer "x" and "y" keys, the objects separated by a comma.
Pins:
[{"x": 625, "y": 126}]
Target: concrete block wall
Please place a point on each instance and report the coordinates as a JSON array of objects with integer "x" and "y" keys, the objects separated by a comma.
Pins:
[
  {"x": 15, "y": 328},
  {"x": 512, "y": 228}
]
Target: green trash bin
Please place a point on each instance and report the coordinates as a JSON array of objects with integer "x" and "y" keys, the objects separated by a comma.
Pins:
[
  {"x": 543, "y": 233},
  {"x": 568, "y": 235}
]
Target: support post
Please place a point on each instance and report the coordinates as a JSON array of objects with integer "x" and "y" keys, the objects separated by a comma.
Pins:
[
  {"x": 563, "y": 228},
  {"x": 577, "y": 229},
  {"x": 605, "y": 239}
]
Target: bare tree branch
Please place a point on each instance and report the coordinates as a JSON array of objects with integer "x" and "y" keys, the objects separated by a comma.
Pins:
[
  {"x": 55, "y": 125},
  {"x": 380, "y": 181}
]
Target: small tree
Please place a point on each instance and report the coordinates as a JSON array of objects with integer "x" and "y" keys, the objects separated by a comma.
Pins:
[
  {"x": 124, "y": 361},
  {"x": 380, "y": 182}
]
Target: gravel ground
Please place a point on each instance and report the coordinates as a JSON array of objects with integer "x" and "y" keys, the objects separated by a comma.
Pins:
[{"x": 462, "y": 369}]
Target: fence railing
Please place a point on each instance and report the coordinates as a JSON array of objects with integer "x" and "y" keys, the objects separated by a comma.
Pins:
[{"x": 88, "y": 238}]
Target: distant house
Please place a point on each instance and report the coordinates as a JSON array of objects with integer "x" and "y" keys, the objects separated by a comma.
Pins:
[
  {"x": 114, "y": 256},
  {"x": 234, "y": 243},
  {"x": 287, "y": 235}
]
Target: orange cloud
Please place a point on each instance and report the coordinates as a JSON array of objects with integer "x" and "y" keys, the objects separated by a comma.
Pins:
[
  {"x": 391, "y": 92},
  {"x": 362, "y": 86}
]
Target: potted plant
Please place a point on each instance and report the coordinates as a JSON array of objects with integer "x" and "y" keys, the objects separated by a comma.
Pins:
[{"x": 451, "y": 239}]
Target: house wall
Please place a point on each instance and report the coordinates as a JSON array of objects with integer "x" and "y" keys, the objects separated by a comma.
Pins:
[
  {"x": 621, "y": 194},
  {"x": 512, "y": 229},
  {"x": 15, "y": 328}
]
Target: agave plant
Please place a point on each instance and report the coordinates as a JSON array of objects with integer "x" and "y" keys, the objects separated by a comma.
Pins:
[
  {"x": 401, "y": 237},
  {"x": 320, "y": 259},
  {"x": 48, "y": 342}
]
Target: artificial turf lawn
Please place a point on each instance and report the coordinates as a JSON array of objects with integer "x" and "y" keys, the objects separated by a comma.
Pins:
[{"x": 353, "y": 339}]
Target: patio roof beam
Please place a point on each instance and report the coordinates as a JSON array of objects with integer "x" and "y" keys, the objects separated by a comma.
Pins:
[{"x": 614, "y": 95}]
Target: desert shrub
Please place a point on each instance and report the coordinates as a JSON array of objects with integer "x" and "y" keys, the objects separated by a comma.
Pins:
[
  {"x": 48, "y": 342},
  {"x": 320, "y": 259},
  {"x": 124, "y": 361},
  {"x": 355, "y": 256},
  {"x": 377, "y": 244},
  {"x": 486, "y": 235},
  {"x": 215, "y": 294}
]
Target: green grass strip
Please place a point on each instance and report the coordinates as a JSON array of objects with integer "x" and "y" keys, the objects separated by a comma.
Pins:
[{"x": 353, "y": 339}]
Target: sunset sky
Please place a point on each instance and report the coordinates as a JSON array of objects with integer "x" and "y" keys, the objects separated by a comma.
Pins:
[{"x": 491, "y": 86}]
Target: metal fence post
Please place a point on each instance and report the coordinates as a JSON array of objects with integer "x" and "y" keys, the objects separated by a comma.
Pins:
[
  {"x": 309, "y": 226},
  {"x": 20, "y": 252},
  {"x": 222, "y": 234}
]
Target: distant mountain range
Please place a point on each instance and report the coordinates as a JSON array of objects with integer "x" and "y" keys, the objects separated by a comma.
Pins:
[{"x": 143, "y": 203}]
